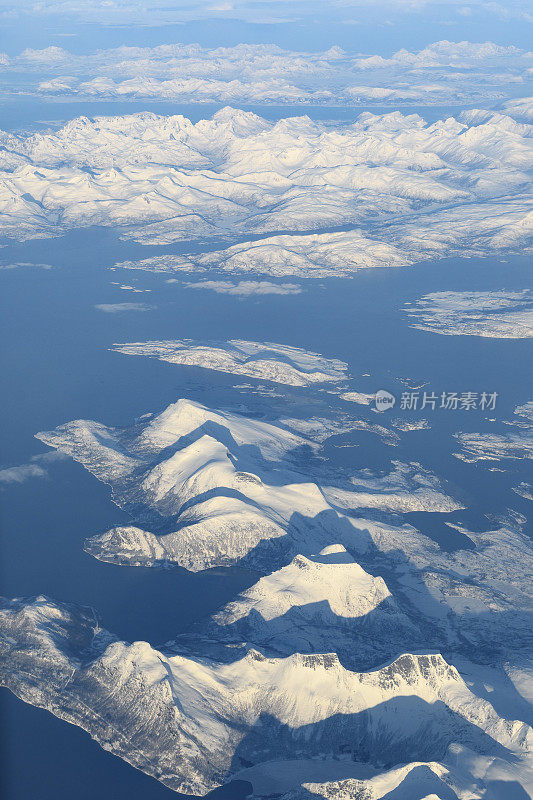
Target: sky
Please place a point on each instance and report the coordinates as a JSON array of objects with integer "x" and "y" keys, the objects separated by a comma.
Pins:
[{"x": 360, "y": 26}]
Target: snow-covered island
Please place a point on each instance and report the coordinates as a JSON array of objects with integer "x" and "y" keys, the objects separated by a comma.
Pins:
[
  {"x": 500, "y": 315},
  {"x": 265, "y": 360}
]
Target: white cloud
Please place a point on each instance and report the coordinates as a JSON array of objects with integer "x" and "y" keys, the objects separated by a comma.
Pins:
[
  {"x": 336, "y": 12},
  {"x": 21, "y": 473},
  {"x": 47, "y": 55},
  {"x": 23, "y": 265},
  {"x": 246, "y": 288},
  {"x": 117, "y": 308},
  {"x": 24, "y": 472}
]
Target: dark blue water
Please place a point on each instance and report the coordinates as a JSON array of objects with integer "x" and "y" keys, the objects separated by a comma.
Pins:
[{"x": 55, "y": 356}]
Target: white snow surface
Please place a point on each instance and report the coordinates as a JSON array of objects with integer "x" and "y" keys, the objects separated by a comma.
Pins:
[
  {"x": 220, "y": 472},
  {"x": 192, "y": 722},
  {"x": 234, "y": 491}
]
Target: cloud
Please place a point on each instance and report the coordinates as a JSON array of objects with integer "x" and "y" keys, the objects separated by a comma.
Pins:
[
  {"x": 47, "y": 55},
  {"x": 117, "y": 308},
  {"x": 267, "y": 12},
  {"x": 220, "y": 7},
  {"x": 34, "y": 469},
  {"x": 21, "y": 473},
  {"x": 24, "y": 264},
  {"x": 246, "y": 288}
]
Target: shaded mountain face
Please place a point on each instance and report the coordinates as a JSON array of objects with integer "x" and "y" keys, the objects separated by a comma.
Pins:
[
  {"x": 209, "y": 472},
  {"x": 214, "y": 488}
]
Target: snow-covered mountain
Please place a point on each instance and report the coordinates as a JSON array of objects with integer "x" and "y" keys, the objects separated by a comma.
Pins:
[
  {"x": 194, "y": 723},
  {"x": 402, "y": 189},
  {"x": 208, "y": 488},
  {"x": 379, "y": 644},
  {"x": 322, "y": 603},
  {"x": 362, "y": 648},
  {"x": 261, "y": 73},
  {"x": 231, "y": 488},
  {"x": 276, "y": 674}
]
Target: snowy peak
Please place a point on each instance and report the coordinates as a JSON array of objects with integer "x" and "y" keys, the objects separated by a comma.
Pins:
[
  {"x": 186, "y": 417},
  {"x": 346, "y": 588},
  {"x": 291, "y": 660}
]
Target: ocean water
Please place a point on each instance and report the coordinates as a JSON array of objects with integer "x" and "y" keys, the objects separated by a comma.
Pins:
[{"x": 57, "y": 366}]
